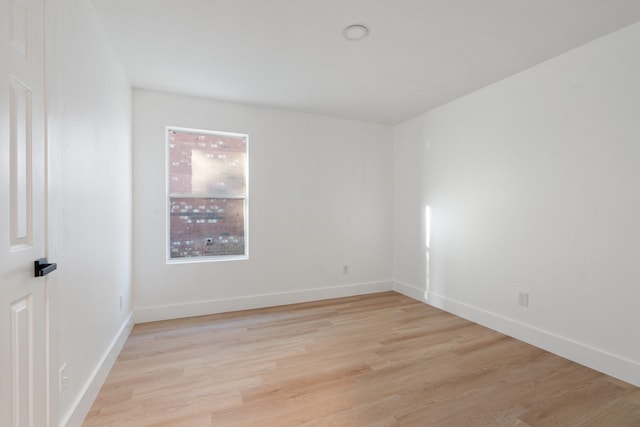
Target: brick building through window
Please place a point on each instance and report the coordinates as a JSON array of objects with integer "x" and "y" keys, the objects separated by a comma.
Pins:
[{"x": 207, "y": 194}]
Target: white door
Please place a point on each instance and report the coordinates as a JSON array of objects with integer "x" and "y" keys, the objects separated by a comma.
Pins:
[{"x": 23, "y": 305}]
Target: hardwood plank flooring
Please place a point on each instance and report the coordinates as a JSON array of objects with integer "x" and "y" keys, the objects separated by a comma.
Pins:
[{"x": 373, "y": 360}]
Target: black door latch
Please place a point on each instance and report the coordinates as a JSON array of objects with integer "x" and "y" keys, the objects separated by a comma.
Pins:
[{"x": 42, "y": 267}]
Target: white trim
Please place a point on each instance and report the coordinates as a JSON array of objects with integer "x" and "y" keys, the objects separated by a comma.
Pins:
[
  {"x": 83, "y": 403},
  {"x": 410, "y": 291},
  {"x": 594, "y": 358},
  {"x": 200, "y": 308}
]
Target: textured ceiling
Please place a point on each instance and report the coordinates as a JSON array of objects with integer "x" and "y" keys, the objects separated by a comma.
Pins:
[{"x": 290, "y": 54}]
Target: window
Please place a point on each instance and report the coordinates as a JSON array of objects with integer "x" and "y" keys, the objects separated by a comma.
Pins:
[{"x": 206, "y": 195}]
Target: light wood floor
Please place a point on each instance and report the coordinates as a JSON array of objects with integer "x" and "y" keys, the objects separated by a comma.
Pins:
[{"x": 375, "y": 360}]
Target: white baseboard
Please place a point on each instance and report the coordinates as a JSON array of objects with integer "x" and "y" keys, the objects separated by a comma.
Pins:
[
  {"x": 410, "y": 291},
  {"x": 600, "y": 360},
  {"x": 201, "y": 308},
  {"x": 83, "y": 404}
]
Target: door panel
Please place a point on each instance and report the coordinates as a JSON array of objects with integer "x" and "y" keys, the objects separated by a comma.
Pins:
[
  {"x": 23, "y": 311},
  {"x": 20, "y": 163},
  {"x": 21, "y": 355}
]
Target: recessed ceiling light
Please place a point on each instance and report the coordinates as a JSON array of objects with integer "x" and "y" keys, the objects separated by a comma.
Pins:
[{"x": 355, "y": 32}]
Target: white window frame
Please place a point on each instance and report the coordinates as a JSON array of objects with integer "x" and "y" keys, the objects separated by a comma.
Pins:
[{"x": 168, "y": 196}]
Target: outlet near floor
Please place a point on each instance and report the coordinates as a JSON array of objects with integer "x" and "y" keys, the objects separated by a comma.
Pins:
[
  {"x": 63, "y": 378},
  {"x": 523, "y": 299}
]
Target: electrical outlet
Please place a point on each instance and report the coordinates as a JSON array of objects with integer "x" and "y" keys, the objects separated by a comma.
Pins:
[
  {"x": 523, "y": 299},
  {"x": 63, "y": 378},
  {"x": 345, "y": 269}
]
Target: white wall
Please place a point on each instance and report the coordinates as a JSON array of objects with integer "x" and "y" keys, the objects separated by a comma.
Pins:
[
  {"x": 319, "y": 199},
  {"x": 89, "y": 119},
  {"x": 533, "y": 183}
]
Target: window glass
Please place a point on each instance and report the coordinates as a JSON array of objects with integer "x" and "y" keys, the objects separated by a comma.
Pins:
[{"x": 207, "y": 197}]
